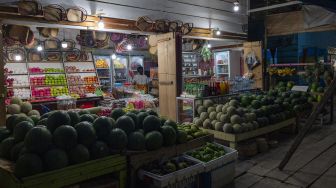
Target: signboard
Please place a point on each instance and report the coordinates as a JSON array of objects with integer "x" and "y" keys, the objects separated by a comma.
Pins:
[{"x": 300, "y": 88}]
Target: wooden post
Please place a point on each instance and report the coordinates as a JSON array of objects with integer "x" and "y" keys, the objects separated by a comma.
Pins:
[
  {"x": 309, "y": 123},
  {"x": 2, "y": 82}
]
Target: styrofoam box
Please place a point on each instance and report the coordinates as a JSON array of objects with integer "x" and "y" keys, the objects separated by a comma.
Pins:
[{"x": 230, "y": 155}]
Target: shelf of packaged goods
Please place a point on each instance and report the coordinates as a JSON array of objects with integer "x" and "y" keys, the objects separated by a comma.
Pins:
[
  {"x": 83, "y": 72},
  {"x": 49, "y": 86},
  {"x": 292, "y": 64},
  {"x": 41, "y": 73}
]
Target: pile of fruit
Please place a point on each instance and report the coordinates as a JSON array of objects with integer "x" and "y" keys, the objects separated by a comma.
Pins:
[
  {"x": 249, "y": 112},
  {"x": 282, "y": 71},
  {"x": 49, "y": 91},
  {"x": 61, "y": 138},
  {"x": 101, "y": 63},
  {"x": 162, "y": 168},
  {"x": 208, "y": 152},
  {"x": 48, "y": 80},
  {"x": 45, "y": 70},
  {"x": 192, "y": 131}
]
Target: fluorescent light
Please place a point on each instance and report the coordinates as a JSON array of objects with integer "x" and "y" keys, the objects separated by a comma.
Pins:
[
  {"x": 209, "y": 45},
  {"x": 129, "y": 47},
  {"x": 64, "y": 44},
  {"x": 39, "y": 48},
  {"x": 17, "y": 57},
  {"x": 114, "y": 56},
  {"x": 101, "y": 24},
  {"x": 218, "y": 32},
  {"x": 236, "y": 6}
]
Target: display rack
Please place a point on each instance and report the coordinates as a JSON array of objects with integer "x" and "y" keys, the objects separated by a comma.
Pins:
[
  {"x": 120, "y": 69},
  {"x": 104, "y": 71},
  {"x": 190, "y": 64}
]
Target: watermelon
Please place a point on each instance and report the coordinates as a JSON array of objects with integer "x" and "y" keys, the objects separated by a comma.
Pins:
[
  {"x": 151, "y": 123},
  {"x": 136, "y": 141},
  {"x": 116, "y": 113},
  {"x": 38, "y": 140},
  {"x": 65, "y": 137},
  {"x": 87, "y": 117},
  {"x": 16, "y": 100},
  {"x": 141, "y": 116},
  {"x": 171, "y": 124},
  {"x": 27, "y": 165},
  {"x": 103, "y": 126},
  {"x": 26, "y": 107},
  {"x": 13, "y": 109},
  {"x": 181, "y": 137},
  {"x": 169, "y": 135},
  {"x": 34, "y": 112},
  {"x": 78, "y": 154},
  {"x": 21, "y": 129},
  {"x": 35, "y": 119},
  {"x": 84, "y": 112},
  {"x": 133, "y": 116},
  {"x": 227, "y": 128},
  {"x": 154, "y": 140},
  {"x": 21, "y": 118},
  {"x": 74, "y": 117},
  {"x": 4, "y": 133},
  {"x": 6, "y": 147},
  {"x": 99, "y": 150},
  {"x": 117, "y": 139},
  {"x": 15, "y": 151},
  {"x": 46, "y": 115},
  {"x": 55, "y": 159},
  {"x": 57, "y": 119},
  {"x": 152, "y": 112},
  {"x": 125, "y": 123},
  {"x": 42, "y": 122},
  {"x": 86, "y": 133},
  {"x": 10, "y": 122},
  {"x": 163, "y": 120}
]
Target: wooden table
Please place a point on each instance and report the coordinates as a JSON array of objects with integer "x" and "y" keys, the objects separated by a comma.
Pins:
[{"x": 233, "y": 139}]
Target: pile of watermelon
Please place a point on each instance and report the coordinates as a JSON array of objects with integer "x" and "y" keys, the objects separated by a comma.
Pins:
[{"x": 62, "y": 138}]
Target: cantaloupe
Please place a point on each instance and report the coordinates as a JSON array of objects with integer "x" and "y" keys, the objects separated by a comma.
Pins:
[
  {"x": 26, "y": 107},
  {"x": 13, "y": 109}
]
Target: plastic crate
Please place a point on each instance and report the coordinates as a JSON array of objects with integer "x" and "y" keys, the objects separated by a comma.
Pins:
[
  {"x": 230, "y": 155},
  {"x": 219, "y": 177}
]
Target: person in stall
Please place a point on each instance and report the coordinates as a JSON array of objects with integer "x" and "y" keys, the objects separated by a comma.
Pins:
[{"x": 140, "y": 80}]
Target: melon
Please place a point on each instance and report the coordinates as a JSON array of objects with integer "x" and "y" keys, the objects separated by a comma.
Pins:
[
  {"x": 16, "y": 100},
  {"x": 163, "y": 120},
  {"x": 211, "y": 109},
  {"x": 219, "y": 126},
  {"x": 213, "y": 123},
  {"x": 35, "y": 119},
  {"x": 136, "y": 141},
  {"x": 21, "y": 129},
  {"x": 219, "y": 108},
  {"x": 225, "y": 107},
  {"x": 235, "y": 119},
  {"x": 117, "y": 139},
  {"x": 152, "y": 112},
  {"x": 151, "y": 123},
  {"x": 46, "y": 115},
  {"x": 42, "y": 122},
  {"x": 95, "y": 116},
  {"x": 237, "y": 128},
  {"x": 171, "y": 124},
  {"x": 55, "y": 159},
  {"x": 219, "y": 115},
  {"x": 13, "y": 109},
  {"x": 231, "y": 110},
  {"x": 201, "y": 109},
  {"x": 34, "y": 112},
  {"x": 154, "y": 140},
  {"x": 204, "y": 115},
  {"x": 4, "y": 133},
  {"x": 78, "y": 154},
  {"x": 84, "y": 112},
  {"x": 86, "y": 133},
  {"x": 27, "y": 165},
  {"x": 65, "y": 137},
  {"x": 126, "y": 123},
  {"x": 207, "y": 124},
  {"x": 182, "y": 137},
  {"x": 225, "y": 118},
  {"x": 227, "y": 128},
  {"x": 199, "y": 123},
  {"x": 213, "y": 115},
  {"x": 15, "y": 151},
  {"x": 234, "y": 103},
  {"x": 116, "y": 113},
  {"x": 38, "y": 140},
  {"x": 141, "y": 116},
  {"x": 22, "y": 118},
  {"x": 103, "y": 126},
  {"x": 87, "y": 117},
  {"x": 57, "y": 119},
  {"x": 169, "y": 135},
  {"x": 26, "y": 107},
  {"x": 74, "y": 117},
  {"x": 133, "y": 116},
  {"x": 99, "y": 150},
  {"x": 6, "y": 146},
  {"x": 10, "y": 122},
  {"x": 207, "y": 103}
]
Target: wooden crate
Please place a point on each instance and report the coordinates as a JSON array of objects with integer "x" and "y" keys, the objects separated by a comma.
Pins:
[
  {"x": 233, "y": 139},
  {"x": 136, "y": 160},
  {"x": 65, "y": 176}
]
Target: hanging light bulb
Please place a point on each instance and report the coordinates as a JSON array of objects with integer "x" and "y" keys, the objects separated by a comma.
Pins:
[
  {"x": 64, "y": 44},
  {"x": 113, "y": 56},
  {"x": 39, "y": 48},
  {"x": 209, "y": 45},
  {"x": 18, "y": 57},
  {"x": 129, "y": 47},
  {"x": 218, "y": 32},
  {"x": 146, "y": 38},
  {"x": 101, "y": 24},
  {"x": 236, "y": 6}
]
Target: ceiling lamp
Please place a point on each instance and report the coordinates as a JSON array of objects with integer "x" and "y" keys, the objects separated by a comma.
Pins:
[
  {"x": 18, "y": 57},
  {"x": 101, "y": 24},
  {"x": 114, "y": 56},
  {"x": 39, "y": 48},
  {"x": 209, "y": 45},
  {"x": 236, "y": 6},
  {"x": 218, "y": 32},
  {"x": 129, "y": 47},
  {"x": 64, "y": 44}
]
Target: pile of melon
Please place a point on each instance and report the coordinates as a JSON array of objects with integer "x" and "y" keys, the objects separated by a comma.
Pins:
[
  {"x": 249, "y": 112},
  {"x": 62, "y": 138},
  {"x": 19, "y": 108}
]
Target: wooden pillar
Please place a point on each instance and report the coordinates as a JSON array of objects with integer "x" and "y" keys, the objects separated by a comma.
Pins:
[
  {"x": 256, "y": 48},
  {"x": 2, "y": 82},
  {"x": 169, "y": 70}
]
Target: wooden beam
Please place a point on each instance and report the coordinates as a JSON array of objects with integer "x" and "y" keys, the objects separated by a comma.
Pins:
[
  {"x": 2, "y": 83},
  {"x": 227, "y": 47}
]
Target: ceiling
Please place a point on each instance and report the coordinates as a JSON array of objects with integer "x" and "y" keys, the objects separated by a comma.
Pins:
[{"x": 202, "y": 13}]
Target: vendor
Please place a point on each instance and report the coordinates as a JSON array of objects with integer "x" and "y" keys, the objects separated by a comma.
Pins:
[{"x": 140, "y": 80}]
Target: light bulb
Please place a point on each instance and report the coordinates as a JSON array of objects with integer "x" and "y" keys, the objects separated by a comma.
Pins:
[
  {"x": 101, "y": 24},
  {"x": 129, "y": 47},
  {"x": 39, "y": 48},
  {"x": 218, "y": 32},
  {"x": 209, "y": 45},
  {"x": 114, "y": 56},
  {"x": 236, "y": 6},
  {"x": 146, "y": 38},
  {"x": 64, "y": 44},
  {"x": 18, "y": 57}
]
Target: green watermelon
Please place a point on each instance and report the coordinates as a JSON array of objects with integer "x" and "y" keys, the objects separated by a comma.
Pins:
[
  {"x": 134, "y": 112},
  {"x": 116, "y": 113},
  {"x": 55, "y": 159},
  {"x": 163, "y": 120},
  {"x": 4, "y": 133},
  {"x": 34, "y": 112},
  {"x": 169, "y": 135},
  {"x": 152, "y": 112},
  {"x": 42, "y": 122},
  {"x": 87, "y": 117},
  {"x": 151, "y": 123},
  {"x": 99, "y": 150},
  {"x": 171, "y": 124},
  {"x": 15, "y": 151},
  {"x": 95, "y": 116},
  {"x": 65, "y": 137},
  {"x": 74, "y": 117},
  {"x": 35, "y": 119},
  {"x": 125, "y": 123},
  {"x": 103, "y": 126},
  {"x": 136, "y": 141},
  {"x": 38, "y": 140},
  {"x": 86, "y": 133},
  {"x": 133, "y": 116},
  {"x": 6, "y": 146},
  {"x": 46, "y": 115},
  {"x": 227, "y": 128},
  {"x": 27, "y": 165},
  {"x": 141, "y": 116},
  {"x": 10, "y": 122},
  {"x": 154, "y": 140},
  {"x": 84, "y": 112},
  {"x": 21, "y": 118},
  {"x": 117, "y": 139},
  {"x": 21, "y": 129},
  {"x": 57, "y": 119},
  {"x": 78, "y": 154},
  {"x": 182, "y": 137}
]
